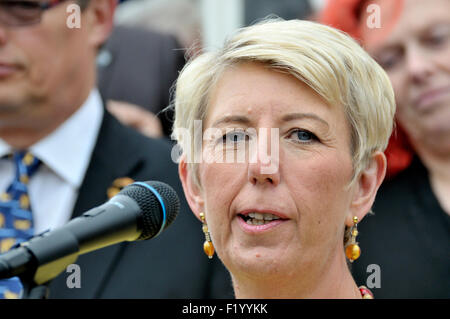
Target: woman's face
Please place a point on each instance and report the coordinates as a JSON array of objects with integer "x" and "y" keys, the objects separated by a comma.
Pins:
[
  {"x": 415, "y": 52},
  {"x": 305, "y": 199}
]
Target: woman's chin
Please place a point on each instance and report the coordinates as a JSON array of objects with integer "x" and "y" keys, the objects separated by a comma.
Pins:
[
  {"x": 256, "y": 262},
  {"x": 263, "y": 252}
]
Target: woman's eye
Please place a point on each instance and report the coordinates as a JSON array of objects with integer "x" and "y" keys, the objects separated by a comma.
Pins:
[
  {"x": 235, "y": 137},
  {"x": 303, "y": 136}
]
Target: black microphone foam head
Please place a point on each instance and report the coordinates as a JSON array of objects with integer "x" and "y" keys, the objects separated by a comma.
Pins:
[{"x": 150, "y": 205}]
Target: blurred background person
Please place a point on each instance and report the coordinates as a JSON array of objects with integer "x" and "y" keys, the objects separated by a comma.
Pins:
[
  {"x": 62, "y": 153},
  {"x": 409, "y": 235},
  {"x": 142, "y": 58},
  {"x": 136, "y": 70}
]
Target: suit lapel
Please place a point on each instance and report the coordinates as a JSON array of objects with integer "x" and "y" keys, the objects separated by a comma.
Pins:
[{"x": 110, "y": 159}]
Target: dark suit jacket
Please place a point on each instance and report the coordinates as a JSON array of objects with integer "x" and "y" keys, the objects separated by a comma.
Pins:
[
  {"x": 408, "y": 237},
  {"x": 140, "y": 66},
  {"x": 172, "y": 265}
]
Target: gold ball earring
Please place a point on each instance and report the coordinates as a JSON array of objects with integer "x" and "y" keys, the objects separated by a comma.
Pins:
[
  {"x": 208, "y": 246},
  {"x": 352, "y": 250}
]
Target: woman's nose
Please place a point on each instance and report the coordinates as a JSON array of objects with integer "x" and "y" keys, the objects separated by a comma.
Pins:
[
  {"x": 256, "y": 177},
  {"x": 264, "y": 160}
]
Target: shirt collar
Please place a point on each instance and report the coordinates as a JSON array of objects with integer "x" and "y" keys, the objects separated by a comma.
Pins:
[
  {"x": 5, "y": 149},
  {"x": 68, "y": 149}
]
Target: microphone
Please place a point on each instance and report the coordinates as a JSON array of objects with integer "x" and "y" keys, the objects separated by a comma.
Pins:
[{"x": 139, "y": 211}]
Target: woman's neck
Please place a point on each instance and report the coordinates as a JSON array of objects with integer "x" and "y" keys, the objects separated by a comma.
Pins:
[{"x": 328, "y": 281}]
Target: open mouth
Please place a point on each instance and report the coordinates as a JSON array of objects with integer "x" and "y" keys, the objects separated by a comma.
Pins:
[{"x": 259, "y": 218}]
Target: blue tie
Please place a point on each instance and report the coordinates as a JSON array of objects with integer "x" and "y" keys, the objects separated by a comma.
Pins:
[{"x": 16, "y": 219}]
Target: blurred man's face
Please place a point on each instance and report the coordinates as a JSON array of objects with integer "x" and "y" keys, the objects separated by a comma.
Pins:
[
  {"x": 415, "y": 53},
  {"x": 47, "y": 66}
]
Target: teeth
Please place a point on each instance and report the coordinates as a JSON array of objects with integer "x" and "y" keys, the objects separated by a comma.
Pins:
[
  {"x": 259, "y": 216},
  {"x": 263, "y": 216},
  {"x": 260, "y": 219}
]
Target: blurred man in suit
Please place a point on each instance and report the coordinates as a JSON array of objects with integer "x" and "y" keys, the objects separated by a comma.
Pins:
[
  {"x": 50, "y": 107},
  {"x": 139, "y": 66}
]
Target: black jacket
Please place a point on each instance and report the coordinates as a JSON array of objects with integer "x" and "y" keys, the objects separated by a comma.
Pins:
[
  {"x": 408, "y": 237},
  {"x": 172, "y": 265}
]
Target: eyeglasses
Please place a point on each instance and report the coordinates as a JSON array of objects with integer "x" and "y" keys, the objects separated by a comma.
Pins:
[{"x": 24, "y": 12}]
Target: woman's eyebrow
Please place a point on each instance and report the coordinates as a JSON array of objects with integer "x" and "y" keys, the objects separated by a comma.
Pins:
[
  {"x": 231, "y": 119},
  {"x": 239, "y": 119},
  {"x": 299, "y": 116}
]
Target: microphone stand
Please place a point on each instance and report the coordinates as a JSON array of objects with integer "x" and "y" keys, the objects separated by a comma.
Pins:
[
  {"x": 33, "y": 291},
  {"x": 34, "y": 279}
]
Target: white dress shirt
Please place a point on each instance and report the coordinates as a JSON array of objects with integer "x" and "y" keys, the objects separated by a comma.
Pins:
[{"x": 65, "y": 156}]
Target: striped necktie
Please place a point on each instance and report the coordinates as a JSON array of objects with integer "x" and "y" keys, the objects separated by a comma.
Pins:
[{"x": 16, "y": 219}]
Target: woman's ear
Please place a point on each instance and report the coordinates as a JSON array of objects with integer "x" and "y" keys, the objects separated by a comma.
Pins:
[
  {"x": 366, "y": 187},
  {"x": 191, "y": 190}
]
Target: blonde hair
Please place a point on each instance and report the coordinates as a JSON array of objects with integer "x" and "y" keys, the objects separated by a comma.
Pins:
[{"x": 324, "y": 58}]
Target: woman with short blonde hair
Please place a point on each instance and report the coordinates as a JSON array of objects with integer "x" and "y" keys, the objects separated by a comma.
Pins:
[{"x": 330, "y": 109}]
